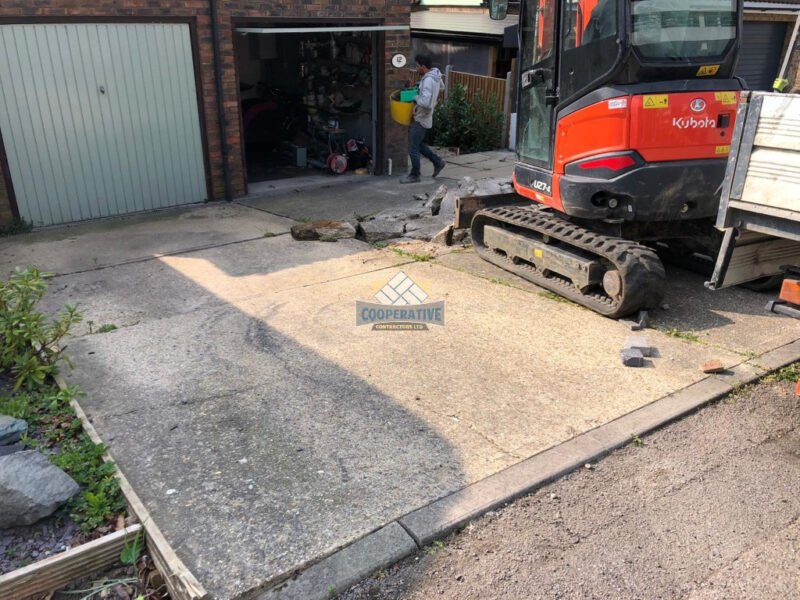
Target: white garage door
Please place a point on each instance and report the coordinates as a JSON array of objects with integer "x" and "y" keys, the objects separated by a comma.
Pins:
[{"x": 99, "y": 119}]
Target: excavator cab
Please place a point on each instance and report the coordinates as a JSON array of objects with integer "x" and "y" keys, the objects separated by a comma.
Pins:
[
  {"x": 625, "y": 113},
  {"x": 620, "y": 98}
]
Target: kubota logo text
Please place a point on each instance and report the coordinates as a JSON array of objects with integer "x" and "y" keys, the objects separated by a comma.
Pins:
[{"x": 692, "y": 123}]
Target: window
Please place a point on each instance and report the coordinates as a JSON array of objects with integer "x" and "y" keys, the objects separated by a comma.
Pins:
[
  {"x": 683, "y": 29},
  {"x": 589, "y": 42}
]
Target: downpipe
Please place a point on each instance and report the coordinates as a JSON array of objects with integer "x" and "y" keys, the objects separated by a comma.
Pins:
[{"x": 226, "y": 167}]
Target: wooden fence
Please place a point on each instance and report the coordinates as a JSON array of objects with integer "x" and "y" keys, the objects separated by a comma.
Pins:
[{"x": 491, "y": 87}]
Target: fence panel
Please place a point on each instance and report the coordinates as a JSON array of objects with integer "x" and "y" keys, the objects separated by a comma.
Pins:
[{"x": 473, "y": 83}]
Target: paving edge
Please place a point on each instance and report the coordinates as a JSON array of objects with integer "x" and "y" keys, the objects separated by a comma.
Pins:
[{"x": 384, "y": 547}]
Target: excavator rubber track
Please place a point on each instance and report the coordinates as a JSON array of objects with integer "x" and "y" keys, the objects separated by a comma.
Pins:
[{"x": 611, "y": 276}]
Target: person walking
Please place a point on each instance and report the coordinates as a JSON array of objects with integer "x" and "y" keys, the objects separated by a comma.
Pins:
[{"x": 425, "y": 102}]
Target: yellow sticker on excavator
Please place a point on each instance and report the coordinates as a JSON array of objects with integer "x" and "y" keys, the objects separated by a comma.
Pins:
[
  {"x": 658, "y": 101},
  {"x": 722, "y": 150},
  {"x": 707, "y": 70},
  {"x": 725, "y": 97},
  {"x": 538, "y": 253}
]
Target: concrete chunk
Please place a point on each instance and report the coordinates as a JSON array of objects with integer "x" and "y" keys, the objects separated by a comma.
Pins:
[
  {"x": 632, "y": 357},
  {"x": 640, "y": 343},
  {"x": 323, "y": 230},
  {"x": 378, "y": 230},
  {"x": 641, "y": 321}
]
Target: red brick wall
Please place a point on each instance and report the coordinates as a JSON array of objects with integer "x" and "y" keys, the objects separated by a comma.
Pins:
[{"x": 389, "y": 12}]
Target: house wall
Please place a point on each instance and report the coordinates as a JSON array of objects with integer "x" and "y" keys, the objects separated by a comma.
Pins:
[{"x": 197, "y": 12}]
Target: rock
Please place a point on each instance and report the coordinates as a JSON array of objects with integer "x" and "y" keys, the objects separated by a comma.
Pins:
[
  {"x": 435, "y": 202},
  {"x": 31, "y": 488},
  {"x": 11, "y": 429},
  {"x": 11, "y": 449},
  {"x": 632, "y": 357},
  {"x": 712, "y": 366},
  {"x": 639, "y": 343},
  {"x": 378, "y": 230},
  {"x": 323, "y": 230},
  {"x": 421, "y": 197}
]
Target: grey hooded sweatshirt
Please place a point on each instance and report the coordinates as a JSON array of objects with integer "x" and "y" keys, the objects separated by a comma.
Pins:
[{"x": 429, "y": 89}]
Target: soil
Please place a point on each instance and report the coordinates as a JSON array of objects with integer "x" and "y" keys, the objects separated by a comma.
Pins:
[{"x": 706, "y": 508}]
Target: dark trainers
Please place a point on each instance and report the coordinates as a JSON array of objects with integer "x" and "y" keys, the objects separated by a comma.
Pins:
[
  {"x": 410, "y": 179},
  {"x": 439, "y": 168}
]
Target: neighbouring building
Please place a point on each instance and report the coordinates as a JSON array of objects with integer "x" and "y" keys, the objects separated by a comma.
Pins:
[
  {"x": 462, "y": 36},
  {"x": 117, "y": 106}
]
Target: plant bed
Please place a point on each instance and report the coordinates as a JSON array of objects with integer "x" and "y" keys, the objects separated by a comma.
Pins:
[
  {"x": 97, "y": 509},
  {"x": 91, "y": 531},
  {"x": 29, "y": 357}
]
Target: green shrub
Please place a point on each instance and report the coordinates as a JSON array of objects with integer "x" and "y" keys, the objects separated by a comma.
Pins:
[
  {"x": 15, "y": 227},
  {"x": 471, "y": 125},
  {"x": 28, "y": 341}
]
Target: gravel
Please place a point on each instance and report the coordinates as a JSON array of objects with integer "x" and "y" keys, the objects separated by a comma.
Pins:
[
  {"x": 706, "y": 508},
  {"x": 20, "y": 546}
]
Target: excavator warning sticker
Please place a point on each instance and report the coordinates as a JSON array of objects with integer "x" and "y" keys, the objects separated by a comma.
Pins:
[
  {"x": 658, "y": 101},
  {"x": 707, "y": 70},
  {"x": 725, "y": 97},
  {"x": 722, "y": 150}
]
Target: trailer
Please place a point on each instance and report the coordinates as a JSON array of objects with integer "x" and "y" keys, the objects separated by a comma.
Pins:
[{"x": 759, "y": 209}]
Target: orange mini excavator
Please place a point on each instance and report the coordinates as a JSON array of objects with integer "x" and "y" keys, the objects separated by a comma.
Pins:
[{"x": 625, "y": 111}]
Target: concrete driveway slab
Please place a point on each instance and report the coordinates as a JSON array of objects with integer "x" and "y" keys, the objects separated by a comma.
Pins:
[
  {"x": 114, "y": 241},
  {"x": 137, "y": 292},
  {"x": 262, "y": 426}
]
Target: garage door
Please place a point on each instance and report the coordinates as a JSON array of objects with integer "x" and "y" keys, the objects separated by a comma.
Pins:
[
  {"x": 99, "y": 119},
  {"x": 759, "y": 59}
]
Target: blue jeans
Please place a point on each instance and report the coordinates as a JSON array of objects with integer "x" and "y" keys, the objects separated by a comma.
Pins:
[{"x": 417, "y": 146}]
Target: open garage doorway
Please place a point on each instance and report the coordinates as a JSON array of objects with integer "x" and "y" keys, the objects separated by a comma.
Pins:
[{"x": 308, "y": 99}]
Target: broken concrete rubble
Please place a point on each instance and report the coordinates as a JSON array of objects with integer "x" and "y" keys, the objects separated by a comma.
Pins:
[
  {"x": 640, "y": 343},
  {"x": 378, "y": 230},
  {"x": 323, "y": 230},
  {"x": 435, "y": 201},
  {"x": 632, "y": 357}
]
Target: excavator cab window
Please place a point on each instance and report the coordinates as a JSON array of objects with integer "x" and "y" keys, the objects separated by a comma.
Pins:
[
  {"x": 538, "y": 80},
  {"x": 589, "y": 46},
  {"x": 683, "y": 29}
]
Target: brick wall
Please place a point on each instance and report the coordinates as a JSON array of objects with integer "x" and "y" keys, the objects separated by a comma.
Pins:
[{"x": 389, "y": 12}]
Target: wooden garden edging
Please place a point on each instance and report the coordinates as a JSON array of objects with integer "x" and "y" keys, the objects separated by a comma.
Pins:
[
  {"x": 60, "y": 569},
  {"x": 64, "y": 568}
]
